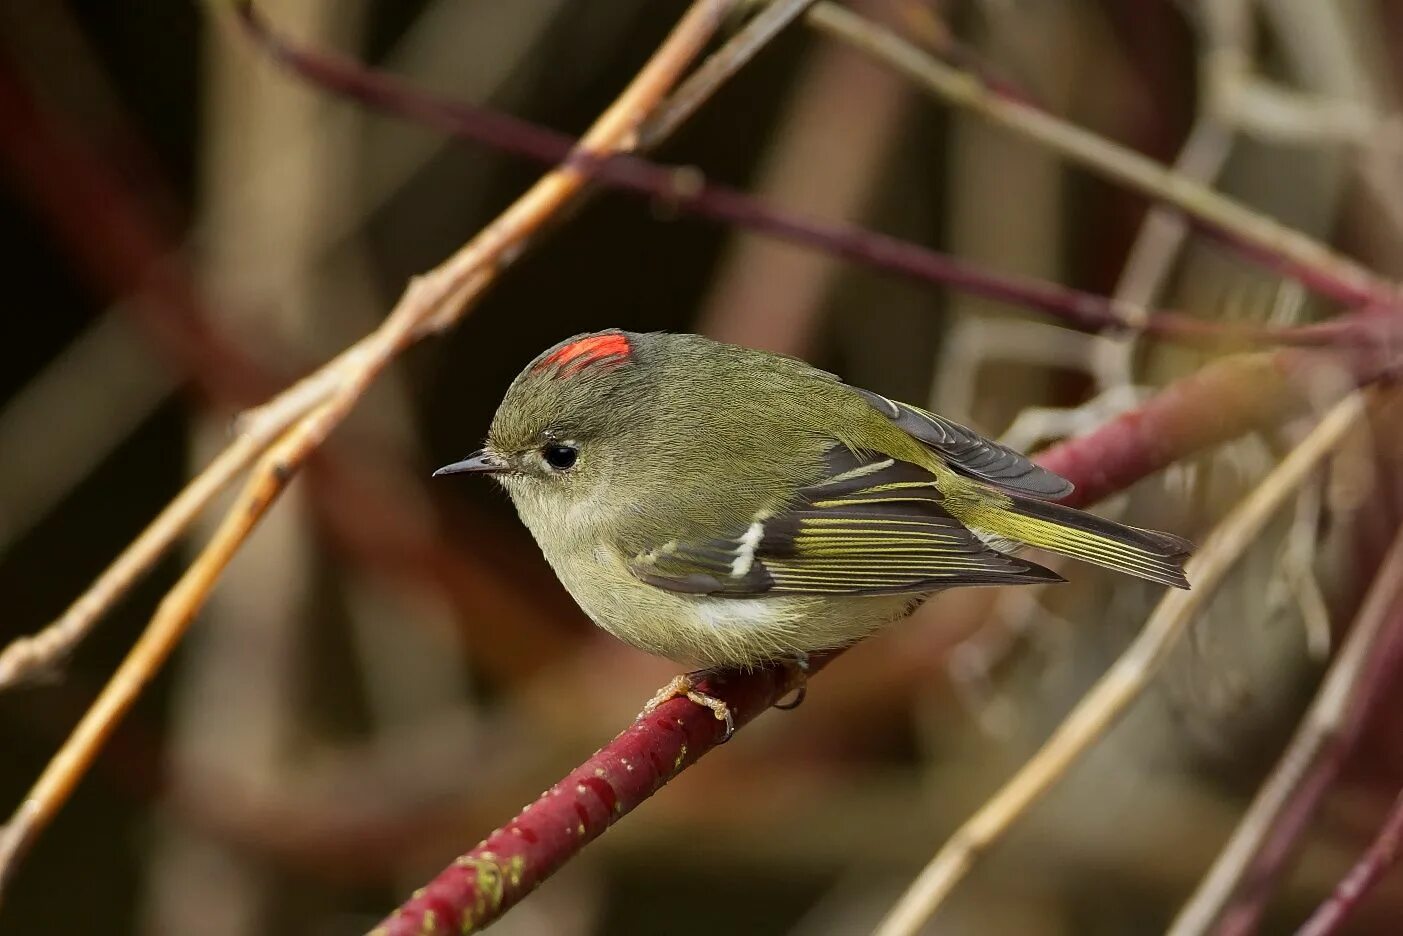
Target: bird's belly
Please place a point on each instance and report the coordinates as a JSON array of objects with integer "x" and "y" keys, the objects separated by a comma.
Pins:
[{"x": 716, "y": 631}]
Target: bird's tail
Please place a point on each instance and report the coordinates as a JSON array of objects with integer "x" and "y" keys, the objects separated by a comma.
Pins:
[{"x": 1146, "y": 554}]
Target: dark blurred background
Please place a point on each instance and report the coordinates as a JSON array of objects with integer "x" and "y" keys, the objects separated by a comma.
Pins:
[{"x": 389, "y": 670}]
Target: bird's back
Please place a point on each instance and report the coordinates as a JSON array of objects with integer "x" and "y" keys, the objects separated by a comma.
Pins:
[{"x": 748, "y": 448}]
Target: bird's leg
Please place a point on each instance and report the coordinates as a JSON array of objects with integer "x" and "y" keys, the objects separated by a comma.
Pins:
[
  {"x": 686, "y": 685},
  {"x": 798, "y": 665}
]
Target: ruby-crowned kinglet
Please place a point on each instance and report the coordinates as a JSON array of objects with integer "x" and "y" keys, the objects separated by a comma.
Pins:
[{"x": 731, "y": 507}]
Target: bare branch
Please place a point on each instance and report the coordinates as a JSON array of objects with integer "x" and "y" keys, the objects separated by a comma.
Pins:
[
  {"x": 179, "y": 607},
  {"x": 718, "y": 68},
  {"x": 25, "y": 657},
  {"x": 482, "y": 884}
]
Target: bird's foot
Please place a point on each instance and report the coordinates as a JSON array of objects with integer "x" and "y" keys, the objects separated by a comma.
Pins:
[
  {"x": 798, "y": 666},
  {"x": 686, "y": 685}
]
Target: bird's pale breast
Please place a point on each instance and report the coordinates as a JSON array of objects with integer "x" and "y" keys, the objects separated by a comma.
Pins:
[{"x": 713, "y": 631}]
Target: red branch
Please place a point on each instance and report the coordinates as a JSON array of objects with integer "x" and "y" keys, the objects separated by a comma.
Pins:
[
  {"x": 1382, "y": 855},
  {"x": 479, "y": 886},
  {"x": 1242, "y": 916},
  {"x": 1220, "y": 401},
  {"x": 688, "y": 190},
  {"x": 482, "y": 884}
]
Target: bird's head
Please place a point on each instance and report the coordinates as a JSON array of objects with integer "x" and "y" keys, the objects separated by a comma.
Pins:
[{"x": 563, "y": 425}]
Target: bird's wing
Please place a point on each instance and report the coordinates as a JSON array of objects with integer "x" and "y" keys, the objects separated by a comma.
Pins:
[
  {"x": 969, "y": 453},
  {"x": 872, "y": 526}
]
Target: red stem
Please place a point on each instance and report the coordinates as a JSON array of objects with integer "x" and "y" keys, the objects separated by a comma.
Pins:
[
  {"x": 482, "y": 884},
  {"x": 1382, "y": 855},
  {"x": 1242, "y": 916},
  {"x": 1220, "y": 401},
  {"x": 688, "y": 190}
]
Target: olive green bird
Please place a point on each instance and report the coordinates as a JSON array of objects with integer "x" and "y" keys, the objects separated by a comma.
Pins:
[{"x": 730, "y": 507}]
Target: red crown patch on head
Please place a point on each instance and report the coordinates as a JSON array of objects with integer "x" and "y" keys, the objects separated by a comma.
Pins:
[{"x": 608, "y": 350}]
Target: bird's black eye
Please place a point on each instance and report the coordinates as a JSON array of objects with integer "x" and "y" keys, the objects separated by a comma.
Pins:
[{"x": 560, "y": 457}]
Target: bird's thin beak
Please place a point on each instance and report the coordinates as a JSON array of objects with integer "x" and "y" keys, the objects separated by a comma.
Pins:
[{"x": 483, "y": 462}]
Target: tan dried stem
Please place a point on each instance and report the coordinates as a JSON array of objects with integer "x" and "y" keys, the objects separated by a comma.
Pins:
[
  {"x": 772, "y": 19},
  {"x": 1297, "y": 253},
  {"x": 174, "y": 614},
  {"x": 30, "y": 656},
  {"x": 27, "y": 657},
  {"x": 1122, "y": 684},
  {"x": 297, "y": 421}
]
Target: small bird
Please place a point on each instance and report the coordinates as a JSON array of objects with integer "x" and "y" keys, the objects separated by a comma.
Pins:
[{"x": 729, "y": 507}]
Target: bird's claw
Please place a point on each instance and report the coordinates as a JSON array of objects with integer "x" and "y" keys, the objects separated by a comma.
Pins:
[
  {"x": 798, "y": 666},
  {"x": 686, "y": 685}
]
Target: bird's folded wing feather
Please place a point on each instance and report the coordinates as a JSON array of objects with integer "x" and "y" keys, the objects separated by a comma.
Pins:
[
  {"x": 872, "y": 526},
  {"x": 969, "y": 453}
]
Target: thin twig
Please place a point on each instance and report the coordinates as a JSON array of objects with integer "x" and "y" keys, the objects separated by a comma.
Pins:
[
  {"x": 1264, "y": 239},
  {"x": 922, "y": 21},
  {"x": 1331, "y": 723},
  {"x": 179, "y": 607},
  {"x": 718, "y": 69},
  {"x": 270, "y": 475},
  {"x": 1382, "y": 855},
  {"x": 28, "y": 657},
  {"x": 1122, "y": 684},
  {"x": 432, "y": 302}
]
